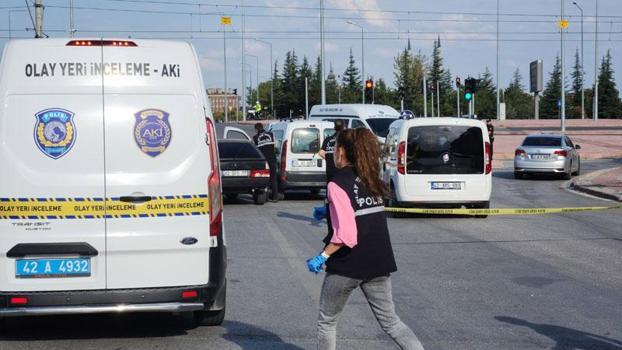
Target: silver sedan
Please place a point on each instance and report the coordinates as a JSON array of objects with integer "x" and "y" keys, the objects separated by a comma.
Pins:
[{"x": 553, "y": 154}]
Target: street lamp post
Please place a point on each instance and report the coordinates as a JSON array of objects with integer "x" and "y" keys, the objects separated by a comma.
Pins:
[
  {"x": 563, "y": 92},
  {"x": 582, "y": 69},
  {"x": 271, "y": 77},
  {"x": 362, "y": 58},
  {"x": 323, "y": 84},
  {"x": 596, "y": 67},
  {"x": 256, "y": 81}
]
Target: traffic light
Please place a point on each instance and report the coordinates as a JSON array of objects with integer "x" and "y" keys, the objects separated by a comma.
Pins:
[
  {"x": 470, "y": 86},
  {"x": 235, "y": 91},
  {"x": 458, "y": 83},
  {"x": 369, "y": 90}
]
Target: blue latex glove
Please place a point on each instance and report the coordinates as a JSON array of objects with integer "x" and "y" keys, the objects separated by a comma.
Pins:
[
  {"x": 319, "y": 213},
  {"x": 315, "y": 264}
]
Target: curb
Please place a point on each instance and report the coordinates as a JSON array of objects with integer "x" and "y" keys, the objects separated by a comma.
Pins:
[{"x": 591, "y": 191}]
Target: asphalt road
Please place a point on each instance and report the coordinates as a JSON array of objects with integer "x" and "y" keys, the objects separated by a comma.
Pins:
[{"x": 509, "y": 282}]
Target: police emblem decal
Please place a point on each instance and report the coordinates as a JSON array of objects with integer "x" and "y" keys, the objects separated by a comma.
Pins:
[
  {"x": 152, "y": 131},
  {"x": 55, "y": 132}
]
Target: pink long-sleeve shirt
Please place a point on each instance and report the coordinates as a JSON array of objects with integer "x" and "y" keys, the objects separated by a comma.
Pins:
[{"x": 342, "y": 216}]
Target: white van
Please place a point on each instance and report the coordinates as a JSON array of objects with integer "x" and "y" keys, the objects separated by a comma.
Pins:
[
  {"x": 110, "y": 193},
  {"x": 438, "y": 162},
  {"x": 377, "y": 118},
  {"x": 298, "y": 144}
]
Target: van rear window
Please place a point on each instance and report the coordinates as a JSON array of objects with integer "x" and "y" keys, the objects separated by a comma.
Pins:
[
  {"x": 305, "y": 140},
  {"x": 445, "y": 149}
]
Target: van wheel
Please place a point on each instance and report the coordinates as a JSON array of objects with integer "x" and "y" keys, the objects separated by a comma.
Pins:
[
  {"x": 260, "y": 197},
  {"x": 209, "y": 318},
  {"x": 486, "y": 205}
]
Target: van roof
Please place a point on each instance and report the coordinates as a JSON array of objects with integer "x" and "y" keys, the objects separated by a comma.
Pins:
[
  {"x": 354, "y": 109},
  {"x": 299, "y": 124},
  {"x": 442, "y": 121}
]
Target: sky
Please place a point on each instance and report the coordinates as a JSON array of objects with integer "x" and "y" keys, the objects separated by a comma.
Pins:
[{"x": 467, "y": 30}]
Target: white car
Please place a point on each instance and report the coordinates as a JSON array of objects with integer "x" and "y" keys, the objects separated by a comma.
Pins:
[
  {"x": 110, "y": 190},
  {"x": 377, "y": 118},
  {"x": 298, "y": 145},
  {"x": 438, "y": 162}
]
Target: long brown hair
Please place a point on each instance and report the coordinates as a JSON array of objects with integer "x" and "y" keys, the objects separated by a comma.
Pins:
[{"x": 363, "y": 151}]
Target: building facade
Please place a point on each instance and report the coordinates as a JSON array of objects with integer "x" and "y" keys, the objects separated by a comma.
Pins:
[{"x": 217, "y": 100}]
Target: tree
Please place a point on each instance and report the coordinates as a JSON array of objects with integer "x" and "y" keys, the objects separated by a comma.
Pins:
[
  {"x": 437, "y": 73},
  {"x": 290, "y": 86},
  {"x": 577, "y": 86},
  {"x": 608, "y": 95},
  {"x": 408, "y": 79},
  {"x": 352, "y": 84},
  {"x": 552, "y": 93},
  {"x": 485, "y": 96},
  {"x": 332, "y": 86},
  {"x": 518, "y": 103}
]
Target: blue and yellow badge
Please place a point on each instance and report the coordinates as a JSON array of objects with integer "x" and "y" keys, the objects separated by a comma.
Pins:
[
  {"x": 152, "y": 131},
  {"x": 55, "y": 132}
]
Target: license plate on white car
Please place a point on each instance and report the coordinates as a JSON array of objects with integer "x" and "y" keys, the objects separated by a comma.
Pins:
[
  {"x": 53, "y": 268},
  {"x": 446, "y": 185},
  {"x": 303, "y": 163},
  {"x": 235, "y": 173},
  {"x": 540, "y": 156}
]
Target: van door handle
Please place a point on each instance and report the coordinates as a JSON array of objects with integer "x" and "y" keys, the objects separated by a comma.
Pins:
[{"x": 135, "y": 199}]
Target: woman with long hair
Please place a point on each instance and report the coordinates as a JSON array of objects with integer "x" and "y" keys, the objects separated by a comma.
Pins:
[{"x": 358, "y": 250}]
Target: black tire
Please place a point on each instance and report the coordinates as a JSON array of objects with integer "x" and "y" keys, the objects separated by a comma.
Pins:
[
  {"x": 568, "y": 175},
  {"x": 578, "y": 172},
  {"x": 391, "y": 202},
  {"x": 518, "y": 176},
  {"x": 315, "y": 191},
  {"x": 486, "y": 205},
  {"x": 209, "y": 318},
  {"x": 232, "y": 196},
  {"x": 260, "y": 197}
]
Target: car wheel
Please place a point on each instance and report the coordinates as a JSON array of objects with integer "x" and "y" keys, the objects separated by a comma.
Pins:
[
  {"x": 486, "y": 205},
  {"x": 578, "y": 172},
  {"x": 232, "y": 196},
  {"x": 260, "y": 197},
  {"x": 568, "y": 175}
]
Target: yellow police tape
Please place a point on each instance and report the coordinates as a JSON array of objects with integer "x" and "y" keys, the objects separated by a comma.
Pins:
[
  {"x": 498, "y": 211},
  {"x": 98, "y": 208}
]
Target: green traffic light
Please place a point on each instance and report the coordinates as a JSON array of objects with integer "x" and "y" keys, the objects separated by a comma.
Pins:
[{"x": 468, "y": 96}]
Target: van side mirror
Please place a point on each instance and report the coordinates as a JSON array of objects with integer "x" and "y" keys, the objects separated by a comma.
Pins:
[{"x": 577, "y": 146}]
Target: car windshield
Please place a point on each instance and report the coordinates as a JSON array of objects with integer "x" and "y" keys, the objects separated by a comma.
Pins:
[
  {"x": 380, "y": 126},
  {"x": 543, "y": 141},
  {"x": 238, "y": 150},
  {"x": 306, "y": 140},
  {"x": 444, "y": 149}
]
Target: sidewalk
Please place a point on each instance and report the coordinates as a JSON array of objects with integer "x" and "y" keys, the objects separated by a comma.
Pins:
[{"x": 604, "y": 183}]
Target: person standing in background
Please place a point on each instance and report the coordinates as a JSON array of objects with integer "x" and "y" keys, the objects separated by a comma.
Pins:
[{"x": 264, "y": 140}]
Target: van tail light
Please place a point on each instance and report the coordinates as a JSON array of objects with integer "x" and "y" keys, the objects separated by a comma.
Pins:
[
  {"x": 488, "y": 148},
  {"x": 561, "y": 153},
  {"x": 283, "y": 160},
  {"x": 189, "y": 294},
  {"x": 260, "y": 173},
  {"x": 519, "y": 153},
  {"x": 401, "y": 158},
  {"x": 116, "y": 43},
  {"x": 213, "y": 183},
  {"x": 18, "y": 301}
]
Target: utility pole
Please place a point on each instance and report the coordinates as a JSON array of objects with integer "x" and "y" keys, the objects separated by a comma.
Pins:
[
  {"x": 596, "y": 67},
  {"x": 563, "y": 104},
  {"x": 498, "y": 69},
  {"x": 438, "y": 100},
  {"x": 271, "y": 77},
  {"x": 306, "y": 98},
  {"x": 458, "y": 100},
  {"x": 243, "y": 62},
  {"x": 72, "y": 29},
  {"x": 432, "y": 103},
  {"x": 582, "y": 69},
  {"x": 38, "y": 19},
  {"x": 323, "y": 85},
  {"x": 224, "y": 22},
  {"x": 425, "y": 96},
  {"x": 362, "y": 58}
]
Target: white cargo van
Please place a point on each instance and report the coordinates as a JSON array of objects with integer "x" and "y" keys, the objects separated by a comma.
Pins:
[
  {"x": 110, "y": 194},
  {"x": 298, "y": 144},
  {"x": 438, "y": 162},
  {"x": 377, "y": 118}
]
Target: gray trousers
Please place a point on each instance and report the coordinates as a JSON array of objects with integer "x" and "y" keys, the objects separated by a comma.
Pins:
[{"x": 335, "y": 293}]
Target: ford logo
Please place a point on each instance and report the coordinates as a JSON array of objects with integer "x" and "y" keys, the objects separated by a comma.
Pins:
[{"x": 189, "y": 241}]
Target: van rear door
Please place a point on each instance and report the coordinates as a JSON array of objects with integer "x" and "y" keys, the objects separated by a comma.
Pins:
[
  {"x": 304, "y": 146},
  {"x": 52, "y": 228},
  {"x": 157, "y": 167}
]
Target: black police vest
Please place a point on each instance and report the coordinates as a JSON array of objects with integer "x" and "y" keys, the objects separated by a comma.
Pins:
[
  {"x": 373, "y": 255},
  {"x": 329, "y": 147},
  {"x": 265, "y": 142}
]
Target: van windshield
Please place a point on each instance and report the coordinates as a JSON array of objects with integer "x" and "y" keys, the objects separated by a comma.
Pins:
[
  {"x": 380, "y": 126},
  {"x": 306, "y": 140},
  {"x": 445, "y": 149}
]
